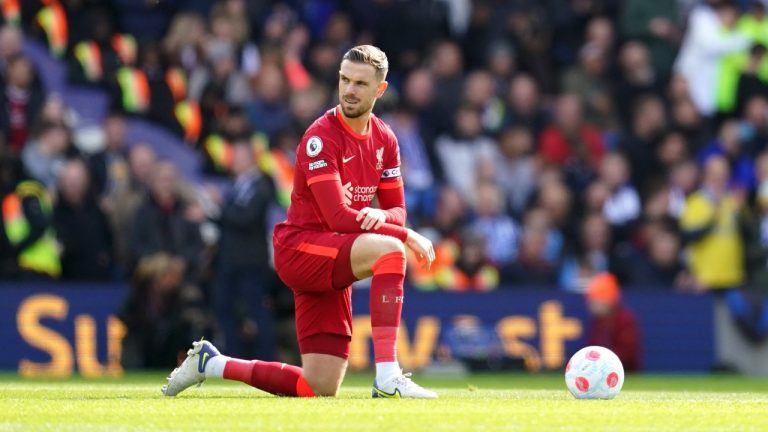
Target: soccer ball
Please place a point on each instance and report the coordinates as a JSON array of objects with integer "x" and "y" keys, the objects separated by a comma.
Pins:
[{"x": 594, "y": 372}]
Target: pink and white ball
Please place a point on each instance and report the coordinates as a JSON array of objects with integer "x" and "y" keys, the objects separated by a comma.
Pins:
[{"x": 594, "y": 372}]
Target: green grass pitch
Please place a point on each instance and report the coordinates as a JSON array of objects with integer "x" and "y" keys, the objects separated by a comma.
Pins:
[{"x": 504, "y": 402}]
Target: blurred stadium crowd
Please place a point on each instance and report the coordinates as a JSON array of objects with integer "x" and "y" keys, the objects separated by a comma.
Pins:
[{"x": 543, "y": 142}]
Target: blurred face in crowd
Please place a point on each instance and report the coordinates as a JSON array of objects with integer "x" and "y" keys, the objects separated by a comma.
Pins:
[
  {"x": 20, "y": 73},
  {"x": 596, "y": 195},
  {"x": 664, "y": 248},
  {"x": 523, "y": 94},
  {"x": 74, "y": 182},
  {"x": 595, "y": 233},
  {"x": 164, "y": 182},
  {"x": 593, "y": 60},
  {"x": 728, "y": 15},
  {"x": 270, "y": 84},
  {"x": 114, "y": 132},
  {"x": 673, "y": 149},
  {"x": 649, "y": 116},
  {"x": 614, "y": 170},
  {"x": 568, "y": 113},
  {"x": 308, "y": 103},
  {"x": 242, "y": 158},
  {"x": 54, "y": 140},
  {"x": 142, "y": 159},
  {"x": 535, "y": 231},
  {"x": 489, "y": 200},
  {"x": 756, "y": 112},
  {"x": 479, "y": 88},
  {"x": 685, "y": 114},
  {"x": 446, "y": 60},
  {"x": 716, "y": 174},
  {"x": 761, "y": 167},
  {"x": 450, "y": 208},
  {"x": 685, "y": 176},
  {"x": 556, "y": 200},
  {"x": 10, "y": 42},
  {"x": 516, "y": 142},
  {"x": 635, "y": 60},
  {"x": 359, "y": 87},
  {"x": 420, "y": 89},
  {"x": 600, "y": 32},
  {"x": 468, "y": 122},
  {"x": 729, "y": 137}
]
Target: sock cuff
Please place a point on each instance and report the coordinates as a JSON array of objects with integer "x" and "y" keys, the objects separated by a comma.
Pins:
[{"x": 391, "y": 263}]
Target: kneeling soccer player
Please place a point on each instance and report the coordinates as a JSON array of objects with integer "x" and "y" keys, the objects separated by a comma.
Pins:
[{"x": 330, "y": 239}]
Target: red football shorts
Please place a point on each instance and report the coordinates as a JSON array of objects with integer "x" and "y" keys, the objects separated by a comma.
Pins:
[{"x": 318, "y": 268}]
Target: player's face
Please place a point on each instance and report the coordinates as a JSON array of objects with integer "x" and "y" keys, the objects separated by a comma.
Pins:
[{"x": 358, "y": 88}]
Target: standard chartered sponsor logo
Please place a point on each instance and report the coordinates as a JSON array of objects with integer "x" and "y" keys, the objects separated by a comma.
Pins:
[{"x": 355, "y": 193}]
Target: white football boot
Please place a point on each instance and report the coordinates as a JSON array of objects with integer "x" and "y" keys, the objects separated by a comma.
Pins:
[
  {"x": 192, "y": 370},
  {"x": 399, "y": 387}
]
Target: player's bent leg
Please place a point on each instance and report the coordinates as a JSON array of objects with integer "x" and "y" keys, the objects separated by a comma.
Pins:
[
  {"x": 384, "y": 259},
  {"x": 324, "y": 373}
]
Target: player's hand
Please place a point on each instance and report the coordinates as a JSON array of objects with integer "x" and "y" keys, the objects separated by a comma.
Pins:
[
  {"x": 372, "y": 218},
  {"x": 422, "y": 247}
]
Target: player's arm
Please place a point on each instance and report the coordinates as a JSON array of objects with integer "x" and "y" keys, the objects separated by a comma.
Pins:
[
  {"x": 340, "y": 218},
  {"x": 390, "y": 193}
]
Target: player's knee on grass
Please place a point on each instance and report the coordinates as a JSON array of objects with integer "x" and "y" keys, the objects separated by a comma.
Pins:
[
  {"x": 368, "y": 248},
  {"x": 324, "y": 373}
]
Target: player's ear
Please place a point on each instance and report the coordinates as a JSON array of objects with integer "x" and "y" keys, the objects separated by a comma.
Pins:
[{"x": 381, "y": 88}]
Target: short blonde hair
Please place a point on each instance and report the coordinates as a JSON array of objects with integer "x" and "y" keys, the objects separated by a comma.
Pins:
[{"x": 371, "y": 55}]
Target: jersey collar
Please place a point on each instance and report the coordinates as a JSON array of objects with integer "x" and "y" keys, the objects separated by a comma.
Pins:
[{"x": 337, "y": 112}]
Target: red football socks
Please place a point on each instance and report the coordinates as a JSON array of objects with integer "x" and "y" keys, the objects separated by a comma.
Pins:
[
  {"x": 277, "y": 378},
  {"x": 386, "y": 304}
]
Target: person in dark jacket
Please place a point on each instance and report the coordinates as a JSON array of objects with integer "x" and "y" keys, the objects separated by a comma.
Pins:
[
  {"x": 612, "y": 325},
  {"x": 241, "y": 300},
  {"x": 164, "y": 223},
  {"x": 81, "y": 227}
]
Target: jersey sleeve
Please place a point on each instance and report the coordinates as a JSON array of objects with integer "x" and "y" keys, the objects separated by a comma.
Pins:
[
  {"x": 390, "y": 192},
  {"x": 341, "y": 218},
  {"x": 317, "y": 157}
]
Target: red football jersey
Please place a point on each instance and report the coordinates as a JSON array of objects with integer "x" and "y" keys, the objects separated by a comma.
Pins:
[{"x": 331, "y": 149}]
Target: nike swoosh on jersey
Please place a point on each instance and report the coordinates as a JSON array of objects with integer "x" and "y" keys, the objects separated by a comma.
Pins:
[{"x": 347, "y": 159}]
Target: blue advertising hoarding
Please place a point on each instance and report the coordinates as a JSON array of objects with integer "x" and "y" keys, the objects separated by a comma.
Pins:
[{"x": 61, "y": 329}]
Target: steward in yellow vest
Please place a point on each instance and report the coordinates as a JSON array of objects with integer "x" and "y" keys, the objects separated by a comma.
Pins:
[{"x": 26, "y": 214}]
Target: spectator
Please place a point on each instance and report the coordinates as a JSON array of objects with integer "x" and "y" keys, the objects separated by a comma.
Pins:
[
  {"x": 654, "y": 23},
  {"x": 164, "y": 223},
  {"x": 637, "y": 77},
  {"x": 461, "y": 151},
  {"x": 86, "y": 254},
  {"x": 710, "y": 226},
  {"x": 729, "y": 145},
  {"x": 571, "y": 143},
  {"x": 480, "y": 92},
  {"x": 242, "y": 264},
  {"x": 160, "y": 314},
  {"x": 517, "y": 168},
  {"x": 21, "y": 100},
  {"x": 622, "y": 205},
  {"x": 109, "y": 167},
  {"x": 267, "y": 110},
  {"x": 11, "y": 41},
  {"x": 525, "y": 104},
  {"x": 446, "y": 65},
  {"x": 588, "y": 81},
  {"x": 45, "y": 154},
  {"x": 659, "y": 265},
  {"x": 540, "y": 249},
  {"x": 710, "y": 37},
  {"x": 27, "y": 214},
  {"x": 612, "y": 325},
  {"x": 642, "y": 140},
  {"x": 500, "y": 232},
  {"x": 590, "y": 257},
  {"x": 757, "y": 241},
  {"x": 751, "y": 81},
  {"x": 122, "y": 202}
]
